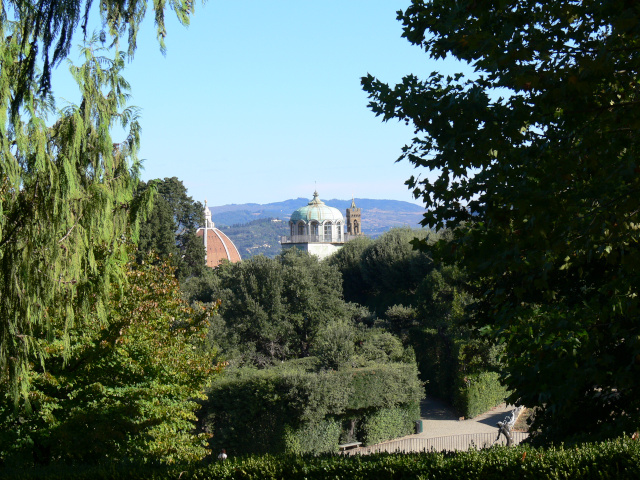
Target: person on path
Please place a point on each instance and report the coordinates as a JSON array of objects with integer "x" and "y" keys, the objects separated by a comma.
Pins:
[{"x": 223, "y": 455}]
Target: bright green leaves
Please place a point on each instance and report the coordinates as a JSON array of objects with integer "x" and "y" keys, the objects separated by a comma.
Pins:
[
  {"x": 49, "y": 27},
  {"x": 67, "y": 204}
]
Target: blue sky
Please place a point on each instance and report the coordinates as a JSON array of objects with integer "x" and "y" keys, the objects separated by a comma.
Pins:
[{"x": 261, "y": 101}]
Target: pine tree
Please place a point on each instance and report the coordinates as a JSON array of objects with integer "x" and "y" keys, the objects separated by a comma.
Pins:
[{"x": 170, "y": 230}]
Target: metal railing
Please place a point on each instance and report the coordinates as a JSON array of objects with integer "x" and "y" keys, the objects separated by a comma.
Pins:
[
  {"x": 438, "y": 444},
  {"x": 316, "y": 238}
]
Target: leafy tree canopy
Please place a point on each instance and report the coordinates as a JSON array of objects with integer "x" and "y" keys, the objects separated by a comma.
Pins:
[
  {"x": 383, "y": 272},
  {"x": 536, "y": 168},
  {"x": 170, "y": 229},
  {"x": 125, "y": 391},
  {"x": 273, "y": 309}
]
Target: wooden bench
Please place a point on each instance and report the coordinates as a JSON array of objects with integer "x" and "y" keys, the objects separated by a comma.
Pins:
[{"x": 348, "y": 446}]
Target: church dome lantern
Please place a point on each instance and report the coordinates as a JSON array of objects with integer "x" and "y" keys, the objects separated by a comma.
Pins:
[{"x": 317, "y": 211}]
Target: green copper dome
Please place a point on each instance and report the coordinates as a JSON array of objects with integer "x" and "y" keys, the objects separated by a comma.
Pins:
[{"x": 318, "y": 211}]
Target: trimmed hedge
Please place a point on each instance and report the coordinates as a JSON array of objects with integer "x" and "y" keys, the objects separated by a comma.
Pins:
[
  {"x": 388, "y": 423},
  {"x": 323, "y": 437},
  {"x": 269, "y": 411},
  {"x": 616, "y": 459},
  {"x": 479, "y": 392}
]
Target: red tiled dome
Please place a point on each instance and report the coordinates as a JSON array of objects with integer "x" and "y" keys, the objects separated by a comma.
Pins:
[{"x": 219, "y": 247}]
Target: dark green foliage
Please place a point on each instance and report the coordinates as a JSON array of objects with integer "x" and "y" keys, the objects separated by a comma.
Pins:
[
  {"x": 273, "y": 309},
  {"x": 388, "y": 423},
  {"x": 170, "y": 229},
  {"x": 443, "y": 300},
  {"x": 457, "y": 365},
  {"x": 383, "y": 385},
  {"x": 392, "y": 269},
  {"x": 437, "y": 322},
  {"x": 348, "y": 261},
  {"x": 463, "y": 372},
  {"x": 313, "y": 438},
  {"x": 334, "y": 345},
  {"x": 614, "y": 460},
  {"x": 536, "y": 169},
  {"x": 268, "y": 411},
  {"x": 378, "y": 345},
  {"x": 400, "y": 318},
  {"x": 383, "y": 272},
  {"x": 437, "y": 356},
  {"x": 157, "y": 231},
  {"x": 251, "y": 411},
  {"x": 478, "y": 393}
]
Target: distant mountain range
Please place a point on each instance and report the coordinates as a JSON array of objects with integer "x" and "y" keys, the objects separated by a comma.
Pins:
[
  {"x": 250, "y": 227},
  {"x": 378, "y": 216}
]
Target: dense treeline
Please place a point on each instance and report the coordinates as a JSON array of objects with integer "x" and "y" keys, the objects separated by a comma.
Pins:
[
  {"x": 425, "y": 304},
  {"x": 287, "y": 317},
  {"x": 272, "y": 309}
]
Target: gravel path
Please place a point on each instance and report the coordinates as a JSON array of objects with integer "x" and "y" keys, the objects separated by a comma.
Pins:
[
  {"x": 438, "y": 420},
  {"x": 443, "y": 430}
]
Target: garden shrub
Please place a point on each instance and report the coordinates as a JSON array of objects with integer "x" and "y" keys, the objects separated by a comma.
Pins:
[
  {"x": 322, "y": 437},
  {"x": 264, "y": 411},
  {"x": 388, "y": 423},
  {"x": 478, "y": 393},
  {"x": 458, "y": 371},
  {"x": 384, "y": 385}
]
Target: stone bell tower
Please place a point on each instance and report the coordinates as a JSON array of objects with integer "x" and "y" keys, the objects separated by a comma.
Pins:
[{"x": 354, "y": 221}]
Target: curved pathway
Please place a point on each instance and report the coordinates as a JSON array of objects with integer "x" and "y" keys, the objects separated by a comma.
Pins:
[
  {"x": 443, "y": 430},
  {"x": 439, "y": 420}
]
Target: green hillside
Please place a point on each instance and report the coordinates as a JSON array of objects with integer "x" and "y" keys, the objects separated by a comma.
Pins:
[{"x": 257, "y": 237}]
